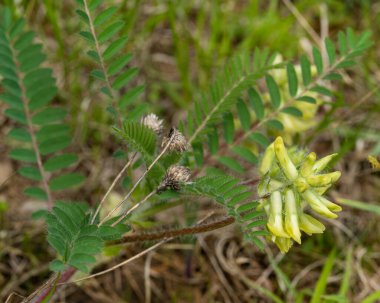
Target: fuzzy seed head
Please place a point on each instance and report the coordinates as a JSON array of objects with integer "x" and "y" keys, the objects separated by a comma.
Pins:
[
  {"x": 153, "y": 122},
  {"x": 178, "y": 142},
  {"x": 175, "y": 176}
]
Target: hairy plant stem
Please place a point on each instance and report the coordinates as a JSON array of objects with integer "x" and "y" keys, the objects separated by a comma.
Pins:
[
  {"x": 138, "y": 181},
  {"x": 134, "y": 207},
  {"x": 117, "y": 178},
  {"x": 196, "y": 229},
  {"x": 31, "y": 130},
  {"x": 41, "y": 293},
  {"x": 102, "y": 63}
]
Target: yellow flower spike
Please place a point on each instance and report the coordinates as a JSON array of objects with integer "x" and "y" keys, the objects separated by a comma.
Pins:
[
  {"x": 310, "y": 225},
  {"x": 322, "y": 163},
  {"x": 263, "y": 203},
  {"x": 275, "y": 221},
  {"x": 301, "y": 184},
  {"x": 267, "y": 161},
  {"x": 330, "y": 205},
  {"x": 335, "y": 176},
  {"x": 317, "y": 205},
  {"x": 322, "y": 190},
  {"x": 284, "y": 244},
  {"x": 307, "y": 165},
  {"x": 323, "y": 179},
  {"x": 275, "y": 185},
  {"x": 283, "y": 159},
  {"x": 291, "y": 216}
]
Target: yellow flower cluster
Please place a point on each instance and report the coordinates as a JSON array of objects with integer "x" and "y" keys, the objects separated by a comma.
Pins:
[{"x": 290, "y": 182}]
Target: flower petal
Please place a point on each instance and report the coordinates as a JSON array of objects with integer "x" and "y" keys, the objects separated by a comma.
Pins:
[
  {"x": 291, "y": 216},
  {"x": 275, "y": 221},
  {"x": 322, "y": 163},
  {"x": 310, "y": 225},
  {"x": 307, "y": 165},
  {"x": 284, "y": 244},
  {"x": 267, "y": 161},
  {"x": 284, "y": 160},
  {"x": 316, "y": 204}
]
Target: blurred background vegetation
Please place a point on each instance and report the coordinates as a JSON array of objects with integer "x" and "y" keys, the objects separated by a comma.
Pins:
[{"x": 178, "y": 45}]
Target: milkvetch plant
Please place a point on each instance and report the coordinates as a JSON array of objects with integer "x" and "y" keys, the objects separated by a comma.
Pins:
[
  {"x": 208, "y": 155},
  {"x": 290, "y": 182}
]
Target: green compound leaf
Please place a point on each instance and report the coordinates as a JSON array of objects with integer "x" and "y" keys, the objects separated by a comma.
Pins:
[
  {"x": 231, "y": 164},
  {"x": 119, "y": 64},
  {"x": 66, "y": 181},
  {"x": 274, "y": 91},
  {"x": 318, "y": 60},
  {"x": 110, "y": 31},
  {"x": 115, "y": 47},
  {"x": 330, "y": 49},
  {"x": 291, "y": 110},
  {"x": 139, "y": 138},
  {"x": 30, "y": 172},
  {"x": 292, "y": 79},
  {"x": 35, "y": 192},
  {"x": 23, "y": 154},
  {"x": 256, "y": 103},
  {"x": 60, "y": 162},
  {"x": 244, "y": 115},
  {"x": 74, "y": 238},
  {"x": 306, "y": 70},
  {"x": 104, "y": 16}
]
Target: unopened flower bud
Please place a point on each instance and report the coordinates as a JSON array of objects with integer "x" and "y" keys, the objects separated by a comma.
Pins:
[
  {"x": 274, "y": 185},
  {"x": 307, "y": 165},
  {"x": 284, "y": 244},
  {"x": 323, "y": 179},
  {"x": 322, "y": 190},
  {"x": 284, "y": 160},
  {"x": 310, "y": 225},
  {"x": 174, "y": 177},
  {"x": 267, "y": 161},
  {"x": 291, "y": 216},
  {"x": 176, "y": 140},
  {"x": 275, "y": 221},
  {"x": 317, "y": 205},
  {"x": 301, "y": 184},
  {"x": 153, "y": 122},
  {"x": 322, "y": 163},
  {"x": 330, "y": 205}
]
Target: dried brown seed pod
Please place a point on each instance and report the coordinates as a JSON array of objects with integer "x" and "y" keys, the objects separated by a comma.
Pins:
[
  {"x": 177, "y": 141},
  {"x": 174, "y": 177},
  {"x": 153, "y": 122}
]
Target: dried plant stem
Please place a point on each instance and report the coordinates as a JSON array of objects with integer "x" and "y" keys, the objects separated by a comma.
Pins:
[
  {"x": 134, "y": 207},
  {"x": 226, "y": 221},
  {"x": 138, "y": 181},
  {"x": 197, "y": 229},
  {"x": 302, "y": 20},
  {"x": 115, "y": 181}
]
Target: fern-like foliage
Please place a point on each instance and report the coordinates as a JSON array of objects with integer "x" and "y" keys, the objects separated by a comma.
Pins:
[
  {"x": 239, "y": 74},
  {"x": 139, "y": 138},
  {"x": 107, "y": 51},
  {"x": 237, "y": 199},
  {"x": 260, "y": 113},
  {"x": 143, "y": 141},
  {"x": 28, "y": 89},
  {"x": 74, "y": 238}
]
